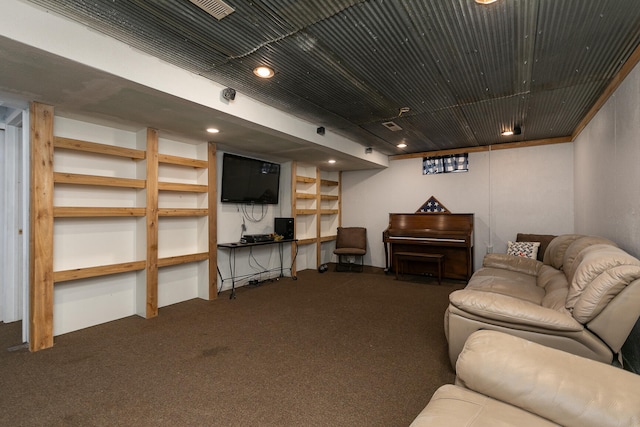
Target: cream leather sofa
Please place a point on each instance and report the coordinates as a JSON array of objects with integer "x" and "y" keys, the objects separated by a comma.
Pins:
[
  {"x": 504, "y": 380},
  {"x": 584, "y": 298}
]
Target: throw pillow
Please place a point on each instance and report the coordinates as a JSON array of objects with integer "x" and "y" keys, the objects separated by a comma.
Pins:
[{"x": 523, "y": 249}]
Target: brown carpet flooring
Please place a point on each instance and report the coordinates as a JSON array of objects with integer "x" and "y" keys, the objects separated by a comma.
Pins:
[{"x": 332, "y": 349}]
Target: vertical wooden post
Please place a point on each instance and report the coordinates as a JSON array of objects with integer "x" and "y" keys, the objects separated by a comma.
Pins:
[
  {"x": 340, "y": 199},
  {"x": 213, "y": 221},
  {"x": 41, "y": 233},
  {"x": 152, "y": 224},
  {"x": 294, "y": 189},
  {"x": 318, "y": 218}
]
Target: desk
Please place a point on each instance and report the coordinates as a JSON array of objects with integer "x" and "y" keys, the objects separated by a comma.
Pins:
[{"x": 232, "y": 247}]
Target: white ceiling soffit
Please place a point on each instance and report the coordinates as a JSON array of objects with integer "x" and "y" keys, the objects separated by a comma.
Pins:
[{"x": 65, "y": 65}]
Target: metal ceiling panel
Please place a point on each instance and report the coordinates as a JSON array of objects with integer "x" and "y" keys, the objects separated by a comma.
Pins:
[{"x": 465, "y": 71}]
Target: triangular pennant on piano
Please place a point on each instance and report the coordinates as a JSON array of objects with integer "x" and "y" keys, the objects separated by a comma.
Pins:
[{"x": 432, "y": 206}]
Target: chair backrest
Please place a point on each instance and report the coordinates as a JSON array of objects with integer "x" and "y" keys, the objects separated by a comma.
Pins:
[{"x": 351, "y": 237}]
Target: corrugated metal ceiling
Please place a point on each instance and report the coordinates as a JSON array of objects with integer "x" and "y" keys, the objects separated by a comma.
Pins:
[{"x": 466, "y": 71}]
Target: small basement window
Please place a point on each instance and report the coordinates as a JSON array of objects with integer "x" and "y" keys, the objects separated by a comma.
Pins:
[{"x": 445, "y": 164}]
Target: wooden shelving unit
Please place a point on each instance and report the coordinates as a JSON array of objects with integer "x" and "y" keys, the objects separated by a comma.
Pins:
[
  {"x": 43, "y": 187},
  {"x": 314, "y": 200},
  {"x": 176, "y": 187}
]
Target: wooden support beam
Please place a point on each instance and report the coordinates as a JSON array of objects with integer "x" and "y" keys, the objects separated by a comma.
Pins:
[
  {"x": 502, "y": 146},
  {"x": 41, "y": 228},
  {"x": 617, "y": 80},
  {"x": 212, "y": 201},
  {"x": 319, "y": 183},
  {"x": 294, "y": 197},
  {"x": 152, "y": 224}
]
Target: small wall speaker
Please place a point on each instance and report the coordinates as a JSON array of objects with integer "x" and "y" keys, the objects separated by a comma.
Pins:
[
  {"x": 320, "y": 130},
  {"x": 229, "y": 94}
]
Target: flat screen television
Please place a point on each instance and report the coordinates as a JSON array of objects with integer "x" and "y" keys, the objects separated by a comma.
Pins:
[{"x": 251, "y": 181}]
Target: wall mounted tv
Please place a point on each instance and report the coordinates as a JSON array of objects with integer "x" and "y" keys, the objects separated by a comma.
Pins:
[{"x": 251, "y": 181}]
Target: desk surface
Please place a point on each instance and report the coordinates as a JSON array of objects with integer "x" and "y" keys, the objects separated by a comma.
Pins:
[{"x": 234, "y": 245}]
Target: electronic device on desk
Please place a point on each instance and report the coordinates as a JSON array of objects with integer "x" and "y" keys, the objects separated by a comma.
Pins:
[
  {"x": 256, "y": 238},
  {"x": 284, "y": 227}
]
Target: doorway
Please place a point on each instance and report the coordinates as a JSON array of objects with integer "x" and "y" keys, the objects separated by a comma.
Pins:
[{"x": 14, "y": 215}]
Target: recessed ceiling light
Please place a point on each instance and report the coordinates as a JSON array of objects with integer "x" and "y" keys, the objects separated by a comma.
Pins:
[
  {"x": 485, "y": 1},
  {"x": 331, "y": 161},
  {"x": 401, "y": 145},
  {"x": 263, "y": 72},
  {"x": 213, "y": 130},
  {"x": 515, "y": 131}
]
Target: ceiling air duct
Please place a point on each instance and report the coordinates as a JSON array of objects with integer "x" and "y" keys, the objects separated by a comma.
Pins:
[
  {"x": 392, "y": 126},
  {"x": 216, "y": 8}
]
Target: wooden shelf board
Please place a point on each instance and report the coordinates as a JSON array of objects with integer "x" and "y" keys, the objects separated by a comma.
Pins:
[
  {"x": 307, "y": 241},
  {"x": 96, "y": 148},
  {"x": 183, "y": 212},
  {"x": 182, "y": 161},
  {"x": 306, "y": 179},
  {"x": 80, "y": 212},
  {"x": 102, "y": 270},
  {"x": 329, "y": 197},
  {"x": 329, "y": 183},
  {"x": 305, "y": 196},
  {"x": 104, "y": 181},
  {"x": 306, "y": 211},
  {"x": 328, "y": 238},
  {"x": 329, "y": 211},
  {"x": 182, "y": 259},
  {"x": 187, "y": 188}
]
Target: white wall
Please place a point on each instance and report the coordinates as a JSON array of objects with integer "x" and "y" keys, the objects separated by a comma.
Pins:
[
  {"x": 249, "y": 262},
  {"x": 88, "y": 242},
  {"x": 528, "y": 190},
  {"x": 607, "y": 169}
]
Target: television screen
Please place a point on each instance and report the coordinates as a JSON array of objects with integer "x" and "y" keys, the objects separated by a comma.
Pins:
[{"x": 246, "y": 180}]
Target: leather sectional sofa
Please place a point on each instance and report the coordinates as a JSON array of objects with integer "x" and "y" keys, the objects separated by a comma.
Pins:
[
  {"x": 584, "y": 298},
  {"x": 504, "y": 380}
]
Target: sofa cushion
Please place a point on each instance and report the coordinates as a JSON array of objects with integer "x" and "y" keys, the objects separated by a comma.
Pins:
[
  {"x": 523, "y": 249},
  {"x": 506, "y": 282},
  {"x": 562, "y": 387},
  {"x": 521, "y": 314},
  {"x": 456, "y": 406},
  {"x": 509, "y": 262},
  {"x": 556, "y": 288}
]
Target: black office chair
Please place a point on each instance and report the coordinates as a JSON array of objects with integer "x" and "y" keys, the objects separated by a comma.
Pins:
[{"x": 351, "y": 243}]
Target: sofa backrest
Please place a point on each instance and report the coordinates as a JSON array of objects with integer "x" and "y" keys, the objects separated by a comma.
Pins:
[
  {"x": 554, "y": 254},
  {"x": 573, "y": 251},
  {"x": 562, "y": 250},
  {"x": 598, "y": 273}
]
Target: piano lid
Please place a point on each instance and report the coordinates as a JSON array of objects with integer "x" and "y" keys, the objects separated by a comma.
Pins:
[{"x": 429, "y": 223}]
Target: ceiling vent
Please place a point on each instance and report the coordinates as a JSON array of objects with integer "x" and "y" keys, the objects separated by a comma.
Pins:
[
  {"x": 392, "y": 126},
  {"x": 216, "y": 8}
]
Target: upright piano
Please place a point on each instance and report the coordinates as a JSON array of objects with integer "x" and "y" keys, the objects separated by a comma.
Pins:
[{"x": 448, "y": 234}]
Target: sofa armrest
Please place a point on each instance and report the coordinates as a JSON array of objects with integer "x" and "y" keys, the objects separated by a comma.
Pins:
[
  {"x": 562, "y": 387},
  {"x": 507, "y": 309},
  {"x": 514, "y": 263}
]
